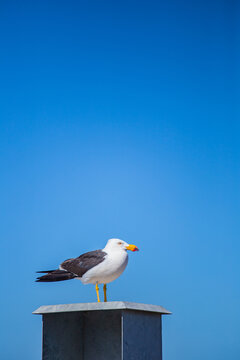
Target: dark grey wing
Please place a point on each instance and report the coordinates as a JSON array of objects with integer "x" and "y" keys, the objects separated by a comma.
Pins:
[{"x": 80, "y": 265}]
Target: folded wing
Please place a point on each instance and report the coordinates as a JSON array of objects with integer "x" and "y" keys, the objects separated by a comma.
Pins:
[{"x": 80, "y": 265}]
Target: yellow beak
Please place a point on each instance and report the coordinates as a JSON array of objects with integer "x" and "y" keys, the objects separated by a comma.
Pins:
[{"x": 132, "y": 248}]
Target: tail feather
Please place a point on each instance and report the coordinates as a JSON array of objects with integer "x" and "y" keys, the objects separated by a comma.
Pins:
[{"x": 55, "y": 275}]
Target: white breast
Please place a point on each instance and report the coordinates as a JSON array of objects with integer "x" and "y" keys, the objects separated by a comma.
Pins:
[{"x": 110, "y": 269}]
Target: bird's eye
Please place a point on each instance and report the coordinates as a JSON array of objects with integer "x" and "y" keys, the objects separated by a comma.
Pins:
[{"x": 119, "y": 243}]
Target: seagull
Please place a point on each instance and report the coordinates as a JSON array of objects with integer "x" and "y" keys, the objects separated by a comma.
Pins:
[{"x": 94, "y": 267}]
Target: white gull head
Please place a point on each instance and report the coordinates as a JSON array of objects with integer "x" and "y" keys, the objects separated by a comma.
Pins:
[{"x": 118, "y": 244}]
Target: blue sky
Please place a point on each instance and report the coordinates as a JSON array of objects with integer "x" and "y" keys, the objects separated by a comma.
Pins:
[{"x": 121, "y": 120}]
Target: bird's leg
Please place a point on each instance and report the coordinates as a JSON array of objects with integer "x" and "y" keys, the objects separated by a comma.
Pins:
[
  {"x": 97, "y": 291},
  {"x": 105, "y": 292}
]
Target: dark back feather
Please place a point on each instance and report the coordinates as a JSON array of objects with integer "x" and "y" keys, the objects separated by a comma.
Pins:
[
  {"x": 55, "y": 275},
  {"x": 80, "y": 265}
]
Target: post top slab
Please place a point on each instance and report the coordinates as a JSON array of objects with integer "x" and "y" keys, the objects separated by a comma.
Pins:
[{"x": 113, "y": 305}]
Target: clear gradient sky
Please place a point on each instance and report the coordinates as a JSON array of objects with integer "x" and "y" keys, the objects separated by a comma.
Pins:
[{"x": 119, "y": 119}]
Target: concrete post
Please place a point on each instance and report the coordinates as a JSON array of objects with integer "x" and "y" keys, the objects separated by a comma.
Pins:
[{"x": 102, "y": 331}]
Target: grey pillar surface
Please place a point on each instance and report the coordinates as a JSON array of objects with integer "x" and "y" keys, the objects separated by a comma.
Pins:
[{"x": 102, "y": 331}]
